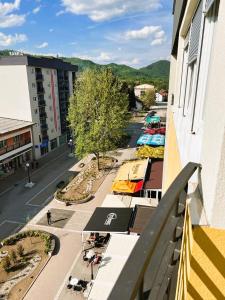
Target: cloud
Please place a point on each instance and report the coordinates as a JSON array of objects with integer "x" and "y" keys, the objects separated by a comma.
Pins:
[
  {"x": 51, "y": 30},
  {"x": 36, "y": 9},
  {"x": 9, "y": 40},
  {"x": 105, "y": 10},
  {"x": 7, "y": 17},
  {"x": 43, "y": 45},
  {"x": 157, "y": 42},
  {"x": 59, "y": 13},
  {"x": 142, "y": 33}
]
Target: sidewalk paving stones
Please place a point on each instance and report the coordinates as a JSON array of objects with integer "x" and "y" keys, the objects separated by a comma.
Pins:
[{"x": 59, "y": 218}]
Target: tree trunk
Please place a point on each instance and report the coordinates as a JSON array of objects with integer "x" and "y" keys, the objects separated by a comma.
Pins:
[{"x": 97, "y": 157}]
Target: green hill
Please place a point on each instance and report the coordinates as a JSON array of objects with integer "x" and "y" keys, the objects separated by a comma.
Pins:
[{"x": 156, "y": 73}]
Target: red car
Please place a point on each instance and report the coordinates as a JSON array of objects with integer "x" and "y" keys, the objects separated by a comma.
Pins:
[{"x": 161, "y": 130}]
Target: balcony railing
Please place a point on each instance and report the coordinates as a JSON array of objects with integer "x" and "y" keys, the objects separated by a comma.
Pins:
[
  {"x": 40, "y": 90},
  {"x": 15, "y": 146},
  {"x": 152, "y": 268},
  {"x": 44, "y": 126},
  {"x": 41, "y": 103},
  {"x": 39, "y": 77}
]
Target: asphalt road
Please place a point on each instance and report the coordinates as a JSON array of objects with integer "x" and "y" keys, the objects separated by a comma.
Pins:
[{"x": 20, "y": 204}]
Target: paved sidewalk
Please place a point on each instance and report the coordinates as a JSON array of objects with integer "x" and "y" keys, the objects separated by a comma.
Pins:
[
  {"x": 53, "y": 278},
  {"x": 9, "y": 182}
]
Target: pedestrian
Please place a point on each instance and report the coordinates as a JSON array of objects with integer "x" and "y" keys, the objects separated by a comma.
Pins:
[{"x": 49, "y": 217}]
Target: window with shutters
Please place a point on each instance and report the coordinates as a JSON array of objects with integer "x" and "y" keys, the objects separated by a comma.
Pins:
[{"x": 211, "y": 14}]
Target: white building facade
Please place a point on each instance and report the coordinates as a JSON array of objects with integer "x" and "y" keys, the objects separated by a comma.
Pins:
[
  {"x": 37, "y": 89},
  {"x": 196, "y": 126}
]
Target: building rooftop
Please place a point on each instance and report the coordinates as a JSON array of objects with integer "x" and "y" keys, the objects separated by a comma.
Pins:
[
  {"x": 8, "y": 125},
  {"x": 37, "y": 61},
  {"x": 144, "y": 86}
]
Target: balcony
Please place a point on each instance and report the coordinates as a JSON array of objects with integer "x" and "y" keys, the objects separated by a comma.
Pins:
[
  {"x": 152, "y": 268},
  {"x": 41, "y": 103},
  {"x": 44, "y": 126},
  {"x": 39, "y": 77},
  {"x": 15, "y": 146},
  {"x": 40, "y": 90},
  {"x": 43, "y": 115}
]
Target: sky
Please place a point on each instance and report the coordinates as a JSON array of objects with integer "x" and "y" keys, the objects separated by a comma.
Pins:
[{"x": 131, "y": 32}]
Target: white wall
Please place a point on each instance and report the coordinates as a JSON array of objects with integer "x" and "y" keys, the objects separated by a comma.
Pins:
[{"x": 14, "y": 94}]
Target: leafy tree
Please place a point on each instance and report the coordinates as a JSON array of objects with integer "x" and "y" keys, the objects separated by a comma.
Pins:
[
  {"x": 149, "y": 98},
  {"x": 98, "y": 112}
]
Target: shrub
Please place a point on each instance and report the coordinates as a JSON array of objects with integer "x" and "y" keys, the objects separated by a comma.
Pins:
[
  {"x": 20, "y": 250},
  {"x": 13, "y": 256},
  {"x": 6, "y": 264}
]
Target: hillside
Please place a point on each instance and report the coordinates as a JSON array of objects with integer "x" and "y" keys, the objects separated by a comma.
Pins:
[{"x": 156, "y": 73}]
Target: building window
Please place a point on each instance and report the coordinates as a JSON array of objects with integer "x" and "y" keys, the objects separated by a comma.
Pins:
[
  {"x": 32, "y": 70},
  {"x": 16, "y": 138},
  {"x": 2, "y": 144},
  {"x": 34, "y": 98},
  {"x": 33, "y": 85},
  {"x": 48, "y": 84},
  {"x": 35, "y": 111},
  {"x": 50, "y": 108},
  {"x": 39, "y": 138}
]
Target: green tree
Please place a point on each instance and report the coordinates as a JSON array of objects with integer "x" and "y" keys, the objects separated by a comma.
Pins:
[
  {"x": 149, "y": 98},
  {"x": 98, "y": 112}
]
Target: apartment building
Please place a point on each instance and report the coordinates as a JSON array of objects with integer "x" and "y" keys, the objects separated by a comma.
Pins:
[
  {"x": 16, "y": 145},
  {"x": 37, "y": 89},
  {"x": 181, "y": 253}
]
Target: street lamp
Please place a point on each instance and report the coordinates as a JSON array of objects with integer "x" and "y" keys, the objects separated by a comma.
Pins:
[
  {"x": 29, "y": 183},
  {"x": 28, "y": 171},
  {"x": 70, "y": 143}
]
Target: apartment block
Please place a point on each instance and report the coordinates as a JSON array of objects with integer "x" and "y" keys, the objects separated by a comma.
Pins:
[{"x": 37, "y": 89}]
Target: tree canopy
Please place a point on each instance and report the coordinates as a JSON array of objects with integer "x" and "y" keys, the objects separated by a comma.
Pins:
[
  {"x": 149, "y": 98},
  {"x": 98, "y": 112}
]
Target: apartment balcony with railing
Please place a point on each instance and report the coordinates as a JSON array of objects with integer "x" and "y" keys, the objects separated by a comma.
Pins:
[
  {"x": 15, "y": 146},
  {"x": 174, "y": 258}
]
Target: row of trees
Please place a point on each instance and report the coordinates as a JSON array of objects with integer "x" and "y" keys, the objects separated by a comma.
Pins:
[{"x": 98, "y": 112}]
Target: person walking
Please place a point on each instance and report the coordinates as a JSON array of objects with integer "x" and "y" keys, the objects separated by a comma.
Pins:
[{"x": 49, "y": 217}]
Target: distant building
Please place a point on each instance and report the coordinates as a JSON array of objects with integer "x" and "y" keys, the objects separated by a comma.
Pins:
[
  {"x": 140, "y": 90},
  {"x": 161, "y": 96},
  {"x": 16, "y": 145},
  {"x": 37, "y": 89}
]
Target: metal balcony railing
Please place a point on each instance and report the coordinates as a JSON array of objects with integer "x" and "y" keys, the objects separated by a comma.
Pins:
[
  {"x": 39, "y": 77},
  {"x": 151, "y": 270},
  {"x": 7, "y": 149}
]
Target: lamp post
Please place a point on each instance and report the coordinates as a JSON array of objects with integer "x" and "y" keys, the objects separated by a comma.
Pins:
[
  {"x": 70, "y": 143},
  {"x": 28, "y": 172},
  {"x": 92, "y": 272},
  {"x": 29, "y": 184}
]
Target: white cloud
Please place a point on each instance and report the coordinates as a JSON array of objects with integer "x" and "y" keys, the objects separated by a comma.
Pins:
[
  {"x": 36, "y": 9},
  {"x": 100, "y": 10},
  {"x": 7, "y": 17},
  {"x": 142, "y": 33},
  {"x": 59, "y": 13},
  {"x": 43, "y": 45},
  {"x": 9, "y": 40},
  {"x": 104, "y": 57},
  {"x": 51, "y": 30},
  {"x": 157, "y": 42}
]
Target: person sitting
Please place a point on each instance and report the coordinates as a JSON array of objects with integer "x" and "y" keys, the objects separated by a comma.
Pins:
[
  {"x": 69, "y": 285},
  {"x": 77, "y": 288}
]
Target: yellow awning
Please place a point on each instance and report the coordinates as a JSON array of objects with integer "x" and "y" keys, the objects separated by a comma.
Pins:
[{"x": 132, "y": 170}]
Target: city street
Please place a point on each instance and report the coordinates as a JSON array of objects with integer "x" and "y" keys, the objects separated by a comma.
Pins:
[{"x": 19, "y": 204}]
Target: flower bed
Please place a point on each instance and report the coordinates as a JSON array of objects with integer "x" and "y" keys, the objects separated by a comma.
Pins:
[
  {"x": 26, "y": 255},
  {"x": 82, "y": 187}
]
